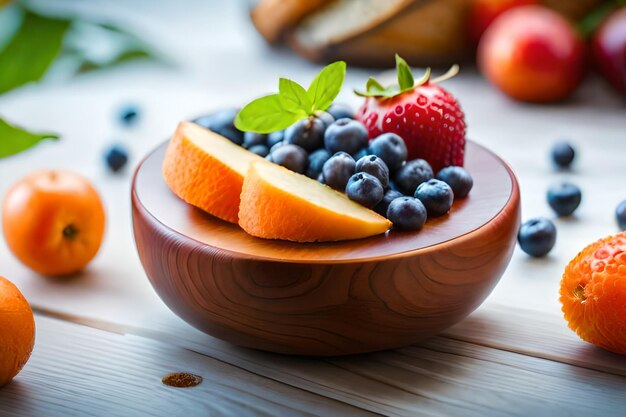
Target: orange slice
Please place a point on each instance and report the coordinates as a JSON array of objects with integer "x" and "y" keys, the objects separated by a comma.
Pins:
[
  {"x": 207, "y": 170},
  {"x": 280, "y": 204}
]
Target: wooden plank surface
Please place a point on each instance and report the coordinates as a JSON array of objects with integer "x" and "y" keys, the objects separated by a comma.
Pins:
[{"x": 80, "y": 371}]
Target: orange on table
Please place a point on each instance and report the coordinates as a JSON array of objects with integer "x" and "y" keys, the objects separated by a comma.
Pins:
[
  {"x": 593, "y": 293},
  {"x": 206, "y": 170},
  {"x": 17, "y": 331},
  {"x": 277, "y": 203},
  {"x": 53, "y": 221}
]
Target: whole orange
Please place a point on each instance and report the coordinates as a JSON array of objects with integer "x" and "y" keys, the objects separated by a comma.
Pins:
[
  {"x": 533, "y": 54},
  {"x": 593, "y": 293},
  {"x": 53, "y": 222},
  {"x": 17, "y": 331}
]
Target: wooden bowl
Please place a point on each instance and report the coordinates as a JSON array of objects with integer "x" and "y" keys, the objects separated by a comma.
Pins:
[{"x": 335, "y": 298}]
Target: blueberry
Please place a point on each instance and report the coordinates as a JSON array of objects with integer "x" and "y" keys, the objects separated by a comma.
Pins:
[
  {"x": 391, "y": 149},
  {"x": 375, "y": 166},
  {"x": 251, "y": 138},
  {"x": 261, "y": 150},
  {"x": 317, "y": 160},
  {"x": 361, "y": 153},
  {"x": 393, "y": 186},
  {"x": 320, "y": 179},
  {"x": 562, "y": 154},
  {"x": 338, "y": 170},
  {"x": 620, "y": 215},
  {"x": 458, "y": 179},
  {"x": 436, "y": 195},
  {"x": 275, "y": 137},
  {"x": 341, "y": 111},
  {"x": 307, "y": 133},
  {"x": 325, "y": 117},
  {"x": 116, "y": 158},
  {"x": 383, "y": 205},
  {"x": 412, "y": 174},
  {"x": 365, "y": 189},
  {"x": 129, "y": 115},
  {"x": 222, "y": 123},
  {"x": 564, "y": 198},
  {"x": 345, "y": 135},
  {"x": 537, "y": 236},
  {"x": 276, "y": 146},
  {"x": 407, "y": 213},
  {"x": 290, "y": 156}
]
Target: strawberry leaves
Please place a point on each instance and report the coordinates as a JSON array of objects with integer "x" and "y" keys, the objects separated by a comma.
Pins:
[
  {"x": 292, "y": 103},
  {"x": 406, "y": 82}
]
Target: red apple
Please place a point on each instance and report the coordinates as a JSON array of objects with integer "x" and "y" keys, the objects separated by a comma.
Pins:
[
  {"x": 609, "y": 50},
  {"x": 483, "y": 12},
  {"x": 532, "y": 54}
]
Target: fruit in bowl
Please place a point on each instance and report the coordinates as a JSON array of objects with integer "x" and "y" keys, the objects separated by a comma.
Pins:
[{"x": 336, "y": 262}]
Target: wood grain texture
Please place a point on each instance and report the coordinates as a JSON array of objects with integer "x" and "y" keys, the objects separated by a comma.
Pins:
[
  {"x": 378, "y": 293},
  {"x": 78, "y": 371}
]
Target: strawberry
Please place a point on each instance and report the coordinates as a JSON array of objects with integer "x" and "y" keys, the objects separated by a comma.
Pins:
[{"x": 426, "y": 116}]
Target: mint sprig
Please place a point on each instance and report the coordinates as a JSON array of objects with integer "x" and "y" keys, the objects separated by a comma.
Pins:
[{"x": 292, "y": 103}]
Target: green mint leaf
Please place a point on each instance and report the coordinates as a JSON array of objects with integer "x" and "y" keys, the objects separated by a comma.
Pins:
[
  {"x": 266, "y": 115},
  {"x": 14, "y": 139},
  {"x": 326, "y": 85},
  {"x": 31, "y": 51},
  {"x": 405, "y": 77},
  {"x": 293, "y": 97}
]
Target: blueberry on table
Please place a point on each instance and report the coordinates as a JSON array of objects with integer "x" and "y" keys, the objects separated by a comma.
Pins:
[
  {"x": 458, "y": 179},
  {"x": 537, "y": 237},
  {"x": 290, "y": 156},
  {"x": 620, "y": 215},
  {"x": 275, "y": 137},
  {"x": 388, "y": 197},
  {"x": 345, "y": 135},
  {"x": 261, "y": 150},
  {"x": 251, "y": 139},
  {"x": 338, "y": 170},
  {"x": 317, "y": 159},
  {"x": 564, "y": 198},
  {"x": 325, "y": 117},
  {"x": 375, "y": 166},
  {"x": 407, "y": 213},
  {"x": 222, "y": 123},
  {"x": 436, "y": 196},
  {"x": 412, "y": 174},
  {"x": 341, "y": 111},
  {"x": 308, "y": 133},
  {"x": 129, "y": 115},
  {"x": 365, "y": 189},
  {"x": 390, "y": 148},
  {"x": 116, "y": 158},
  {"x": 562, "y": 154}
]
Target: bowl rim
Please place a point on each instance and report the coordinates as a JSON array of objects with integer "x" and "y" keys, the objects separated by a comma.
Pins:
[{"x": 513, "y": 199}]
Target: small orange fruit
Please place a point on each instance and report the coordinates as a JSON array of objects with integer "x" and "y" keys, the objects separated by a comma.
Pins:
[
  {"x": 277, "y": 203},
  {"x": 53, "y": 221},
  {"x": 17, "y": 331},
  {"x": 206, "y": 170},
  {"x": 593, "y": 293}
]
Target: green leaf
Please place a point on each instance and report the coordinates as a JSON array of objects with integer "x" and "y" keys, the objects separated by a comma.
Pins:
[
  {"x": 14, "y": 139},
  {"x": 405, "y": 77},
  {"x": 327, "y": 85},
  {"x": 31, "y": 51},
  {"x": 266, "y": 115},
  {"x": 293, "y": 97},
  {"x": 375, "y": 89}
]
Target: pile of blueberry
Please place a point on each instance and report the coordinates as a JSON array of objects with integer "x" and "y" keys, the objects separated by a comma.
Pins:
[{"x": 334, "y": 149}]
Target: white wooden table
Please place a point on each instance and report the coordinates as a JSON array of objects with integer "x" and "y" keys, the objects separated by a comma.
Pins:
[{"x": 104, "y": 339}]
